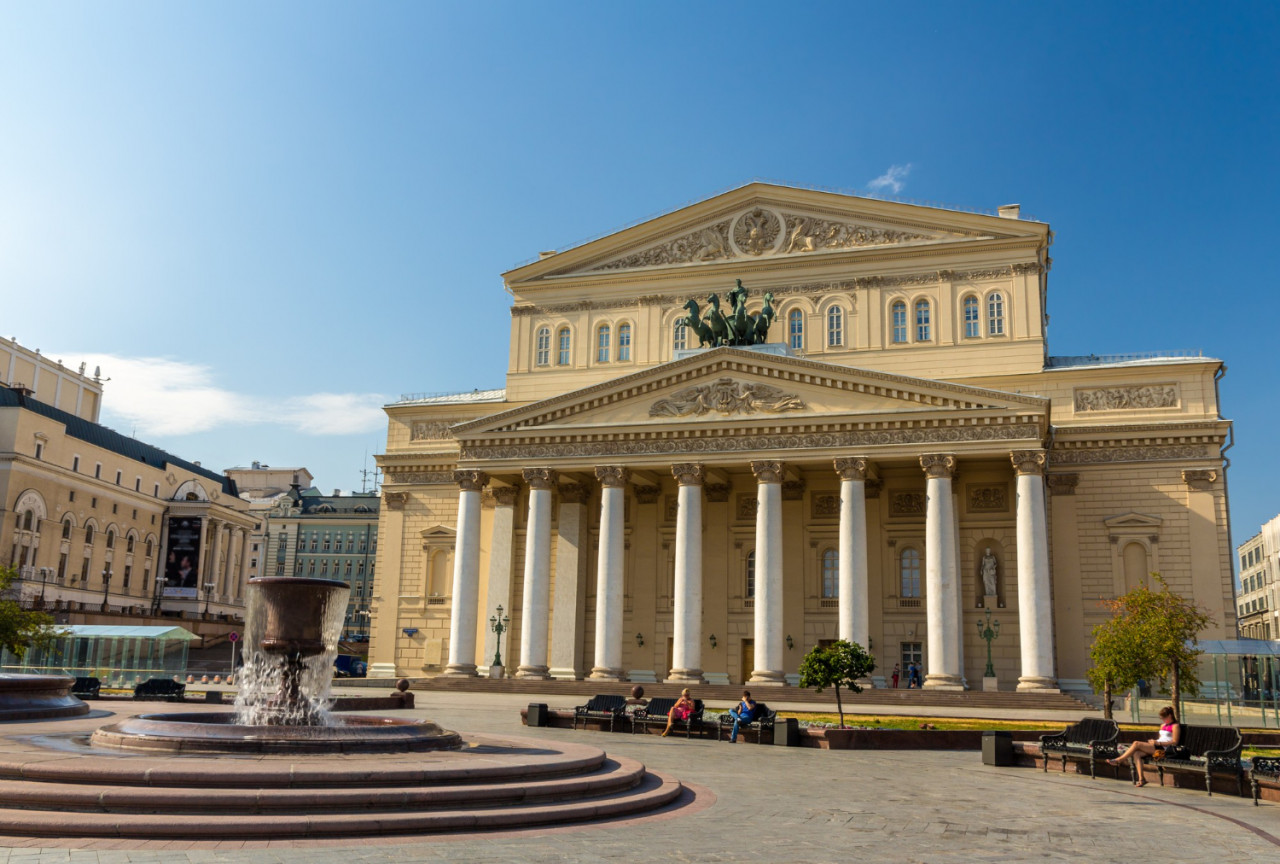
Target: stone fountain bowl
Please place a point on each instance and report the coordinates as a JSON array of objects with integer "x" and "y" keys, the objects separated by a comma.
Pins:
[
  {"x": 219, "y": 733},
  {"x": 38, "y": 697}
]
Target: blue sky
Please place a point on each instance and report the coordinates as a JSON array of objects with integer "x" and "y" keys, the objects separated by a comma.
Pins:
[{"x": 267, "y": 220}]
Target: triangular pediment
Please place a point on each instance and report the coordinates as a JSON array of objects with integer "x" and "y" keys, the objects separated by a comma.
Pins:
[
  {"x": 761, "y": 221},
  {"x": 1133, "y": 521},
  {"x": 731, "y": 386}
]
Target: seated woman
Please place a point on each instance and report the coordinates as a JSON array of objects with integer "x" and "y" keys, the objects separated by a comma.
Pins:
[
  {"x": 680, "y": 711},
  {"x": 1166, "y": 742}
]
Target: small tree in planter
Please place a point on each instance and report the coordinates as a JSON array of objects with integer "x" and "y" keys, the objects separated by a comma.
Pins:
[{"x": 837, "y": 665}]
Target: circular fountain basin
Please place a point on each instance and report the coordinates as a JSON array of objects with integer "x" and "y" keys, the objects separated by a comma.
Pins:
[
  {"x": 37, "y": 697},
  {"x": 219, "y": 733}
]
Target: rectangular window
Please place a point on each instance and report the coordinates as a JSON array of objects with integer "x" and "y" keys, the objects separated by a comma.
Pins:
[
  {"x": 119, "y": 476},
  {"x": 97, "y": 471},
  {"x": 128, "y": 571},
  {"x": 155, "y": 491},
  {"x": 602, "y": 345},
  {"x": 137, "y": 484},
  {"x": 624, "y": 342},
  {"x": 71, "y": 496},
  {"x": 146, "y": 580},
  {"x": 75, "y": 463},
  {"x": 280, "y": 569},
  {"x": 563, "y": 358},
  {"x": 922, "y": 321},
  {"x": 912, "y": 652},
  {"x": 39, "y": 450},
  {"x": 899, "y": 322},
  {"x": 93, "y": 502}
]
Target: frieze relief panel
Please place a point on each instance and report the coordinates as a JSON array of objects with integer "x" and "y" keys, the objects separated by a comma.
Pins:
[
  {"x": 987, "y": 498},
  {"x": 432, "y": 430},
  {"x": 745, "y": 508},
  {"x": 1152, "y": 453},
  {"x": 726, "y": 397},
  {"x": 906, "y": 503},
  {"x": 825, "y": 505},
  {"x": 1138, "y": 397},
  {"x": 419, "y": 477}
]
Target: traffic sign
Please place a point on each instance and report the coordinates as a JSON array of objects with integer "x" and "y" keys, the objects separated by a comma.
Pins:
[{"x": 234, "y": 637}]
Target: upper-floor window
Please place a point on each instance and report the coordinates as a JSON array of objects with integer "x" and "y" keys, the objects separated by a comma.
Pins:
[
  {"x": 830, "y": 574},
  {"x": 795, "y": 329},
  {"x": 751, "y": 574},
  {"x": 835, "y": 327},
  {"x": 88, "y": 534},
  {"x": 909, "y": 572},
  {"x": 971, "y": 317},
  {"x": 680, "y": 336},
  {"x": 562, "y": 340},
  {"x": 128, "y": 543},
  {"x": 543, "y": 355},
  {"x": 603, "y": 335},
  {"x": 995, "y": 314},
  {"x": 119, "y": 476},
  {"x": 111, "y": 539},
  {"x": 66, "y": 528},
  {"x": 624, "y": 343},
  {"x": 97, "y": 470},
  {"x": 150, "y": 547},
  {"x": 899, "y": 316},
  {"x": 922, "y": 320},
  {"x": 75, "y": 463}
]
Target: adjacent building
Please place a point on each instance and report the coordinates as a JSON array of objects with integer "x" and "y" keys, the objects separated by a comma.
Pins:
[
  {"x": 1259, "y": 599},
  {"x": 263, "y": 486},
  {"x": 898, "y": 456},
  {"x": 58, "y": 386}
]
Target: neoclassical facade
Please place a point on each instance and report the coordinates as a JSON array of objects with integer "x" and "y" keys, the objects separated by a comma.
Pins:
[{"x": 899, "y": 459}]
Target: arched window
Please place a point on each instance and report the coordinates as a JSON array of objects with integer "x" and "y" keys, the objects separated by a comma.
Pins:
[
  {"x": 150, "y": 547},
  {"x": 995, "y": 314},
  {"x": 624, "y": 343},
  {"x": 795, "y": 329},
  {"x": 66, "y": 528},
  {"x": 830, "y": 574},
  {"x": 602, "y": 344},
  {"x": 88, "y": 534},
  {"x": 680, "y": 336},
  {"x": 543, "y": 356},
  {"x": 899, "y": 313},
  {"x": 909, "y": 570},
  {"x": 835, "y": 327},
  {"x": 562, "y": 339},
  {"x": 128, "y": 544},
  {"x": 922, "y": 321},
  {"x": 111, "y": 539},
  {"x": 971, "y": 317},
  {"x": 751, "y": 574}
]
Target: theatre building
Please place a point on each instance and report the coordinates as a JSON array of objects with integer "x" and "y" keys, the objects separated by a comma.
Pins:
[{"x": 893, "y": 458}]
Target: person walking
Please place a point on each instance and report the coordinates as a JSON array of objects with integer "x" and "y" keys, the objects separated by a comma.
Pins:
[{"x": 897, "y": 669}]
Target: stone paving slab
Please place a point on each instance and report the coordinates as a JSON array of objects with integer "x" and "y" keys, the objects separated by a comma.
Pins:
[{"x": 788, "y": 805}]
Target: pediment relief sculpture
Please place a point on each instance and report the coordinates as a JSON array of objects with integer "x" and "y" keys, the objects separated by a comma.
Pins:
[{"x": 727, "y": 397}]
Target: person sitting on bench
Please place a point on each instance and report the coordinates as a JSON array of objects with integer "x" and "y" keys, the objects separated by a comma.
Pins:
[
  {"x": 743, "y": 712},
  {"x": 680, "y": 711},
  {"x": 1166, "y": 742}
]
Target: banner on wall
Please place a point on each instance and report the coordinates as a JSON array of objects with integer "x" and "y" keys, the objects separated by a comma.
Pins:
[{"x": 182, "y": 566}]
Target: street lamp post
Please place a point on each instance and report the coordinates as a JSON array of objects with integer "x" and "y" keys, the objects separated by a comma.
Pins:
[
  {"x": 106, "y": 587},
  {"x": 498, "y": 624},
  {"x": 208, "y": 595},
  {"x": 44, "y": 582},
  {"x": 989, "y": 630}
]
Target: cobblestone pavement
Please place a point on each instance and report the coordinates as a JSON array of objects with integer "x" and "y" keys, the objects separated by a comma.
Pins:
[{"x": 795, "y": 805}]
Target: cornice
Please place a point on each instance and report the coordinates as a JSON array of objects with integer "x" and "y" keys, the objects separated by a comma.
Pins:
[{"x": 1181, "y": 427}]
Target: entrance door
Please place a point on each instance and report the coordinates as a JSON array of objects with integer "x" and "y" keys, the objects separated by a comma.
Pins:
[{"x": 748, "y": 659}]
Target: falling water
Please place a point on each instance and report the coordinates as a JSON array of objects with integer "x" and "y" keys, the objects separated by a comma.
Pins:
[{"x": 267, "y": 694}]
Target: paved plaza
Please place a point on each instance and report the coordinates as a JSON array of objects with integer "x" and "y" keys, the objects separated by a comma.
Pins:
[{"x": 778, "y": 804}]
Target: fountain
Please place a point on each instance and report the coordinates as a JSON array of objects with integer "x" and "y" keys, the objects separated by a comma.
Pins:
[{"x": 291, "y": 638}]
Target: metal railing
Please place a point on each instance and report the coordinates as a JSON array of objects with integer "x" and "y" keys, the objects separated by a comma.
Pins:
[{"x": 1098, "y": 359}]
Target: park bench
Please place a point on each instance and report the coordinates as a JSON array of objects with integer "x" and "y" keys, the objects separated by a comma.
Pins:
[
  {"x": 1265, "y": 770},
  {"x": 655, "y": 714},
  {"x": 765, "y": 717},
  {"x": 600, "y": 707},
  {"x": 1206, "y": 750},
  {"x": 86, "y": 687},
  {"x": 1090, "y": 740},
  {"x": 160, "y": 688}
]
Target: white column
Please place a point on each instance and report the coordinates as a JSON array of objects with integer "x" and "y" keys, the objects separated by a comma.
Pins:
[
  {"x": 855, "y": 623},
  {"x": 686, "y": 648},
  {"x": 768, "y": 607},
  {"x": 500, "y": 563},
  {"x": 537, "y": 575},
  {"x": 1035, "y": 599},
  {"x": 466, "y": 575},
  {"x": 941, "y": 600},
  {"x": 229, "y": 564},
  {"x": 210, "y": 573},
  {"x": 608, "y": 660},
  {"x": 246, "y": 548}
]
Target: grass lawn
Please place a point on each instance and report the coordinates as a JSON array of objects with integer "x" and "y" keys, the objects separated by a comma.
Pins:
[{"x": 889, "y": 721}]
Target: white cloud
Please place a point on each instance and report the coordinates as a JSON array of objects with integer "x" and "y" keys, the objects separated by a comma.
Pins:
[
  {"x": 158, "y": 396},
  {"x": 893, "y": 180}
]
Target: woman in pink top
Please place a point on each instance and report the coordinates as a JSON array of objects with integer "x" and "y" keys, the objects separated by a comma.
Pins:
[
  {"x": 1170, "y": 735},
  {"x": 680, "y": 711}
]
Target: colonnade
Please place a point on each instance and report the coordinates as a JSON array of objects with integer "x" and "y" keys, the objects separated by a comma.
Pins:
[
  {"x": 942, "y": 575},
  {"x": 226, "y": 559}
]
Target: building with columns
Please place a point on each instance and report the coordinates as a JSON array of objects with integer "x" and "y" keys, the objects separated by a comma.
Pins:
[{"x": 898, "y": 456}]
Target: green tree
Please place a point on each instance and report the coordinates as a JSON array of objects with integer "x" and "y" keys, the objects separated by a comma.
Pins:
[
  {"x": 21, "y": 629},
  {"x": 837, "y": 665},
  {"x": 1152, "y": 634}
]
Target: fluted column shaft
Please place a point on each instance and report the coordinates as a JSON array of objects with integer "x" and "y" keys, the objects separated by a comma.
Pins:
[
  {"x": 941, "y": 590},
  {"x": 855, "y": 622},
  {"x": 1035, "y": 598},
  {"x": 537, "y": 575},
  {"x": 608, "y": 658},
  {"x": 466, "y": 575},
  {"x": 246, "y": 548},
  {"x": 768, "y": 602},
  {"x": 211, "y": 575},
  {"x": 686, "y": 647}
]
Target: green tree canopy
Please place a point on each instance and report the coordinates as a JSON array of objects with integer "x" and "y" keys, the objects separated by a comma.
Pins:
[
  {"x": 840, "y": 664},
  {"x": 21, "y": 629}
]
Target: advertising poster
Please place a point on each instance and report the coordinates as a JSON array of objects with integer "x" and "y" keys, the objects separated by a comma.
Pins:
[{"x": 181, "y": 567}]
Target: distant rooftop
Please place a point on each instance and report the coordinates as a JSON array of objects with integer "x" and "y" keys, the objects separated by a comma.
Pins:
[
  {"x": 452, "y": 398},
  {"x": 1144, "y": 358}
]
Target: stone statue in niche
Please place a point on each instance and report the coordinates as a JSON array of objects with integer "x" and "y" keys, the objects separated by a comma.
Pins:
[{"x": 990, "y": 570}]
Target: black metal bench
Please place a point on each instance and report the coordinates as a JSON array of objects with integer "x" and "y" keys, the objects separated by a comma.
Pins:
[
  {"x": 86, "y": 687},
  {"x": 1090, "y": 740},
  {"x": 656, "y": 712},
  {"x": 1266, "y": 769},
  {"x": 1206, "y": 750},
  {"x": 160, "y": 688},
  {"x": 605, "y": 706},
  {"x": 765, "y": 718}
]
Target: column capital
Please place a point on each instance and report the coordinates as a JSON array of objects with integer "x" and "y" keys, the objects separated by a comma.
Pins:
[
  {"x": 611, "y": 476},
  {"x": 793, "y": 490},
  {"x": 938, "y": 465},
  {"x": 688, "y": 473},
  {"x": 539, "y": 478},
  {"x": 1062, "y": 484},
  {"x": 1028, "y": 461},
  {"x": 851, "y": 467},
  {"x": 395, "y": 500},
  {"x": 574, "y": 493},
  {"x": 767, "y": 470},
  {"x": 1200, "y": 479},
  {"x": 470, "y": 481}
]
